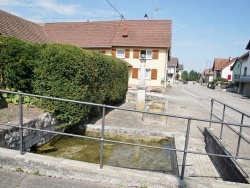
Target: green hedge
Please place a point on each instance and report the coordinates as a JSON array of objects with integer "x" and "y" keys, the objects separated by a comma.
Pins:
[{"x": 64, "y": 71}]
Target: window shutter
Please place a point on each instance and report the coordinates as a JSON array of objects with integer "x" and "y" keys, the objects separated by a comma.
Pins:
[
  {"x": 113, "y": 52},
  {"x": 135, "y": 73},
  {"x": 136, "y": 54},
  {"x": 127, "y": 53},
  {"x": 103, "y": 52},
  {"x": 155, "y": 54},
  {"x": 153, "y": 74}
]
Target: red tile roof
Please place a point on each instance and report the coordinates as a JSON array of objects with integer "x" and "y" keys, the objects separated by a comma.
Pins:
[
  {"x": 220, "y": 63},
  {"x": 140, "y": 33},
  {"x": 11, "y": 25}
]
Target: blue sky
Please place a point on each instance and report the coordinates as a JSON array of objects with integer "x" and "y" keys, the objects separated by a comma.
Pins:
[{"x": 202, "y": 29}]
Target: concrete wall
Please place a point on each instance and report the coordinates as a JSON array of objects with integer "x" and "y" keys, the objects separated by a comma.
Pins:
[
  {"x": 10, "y": 136},
  {"x": 226, "y": 166}
]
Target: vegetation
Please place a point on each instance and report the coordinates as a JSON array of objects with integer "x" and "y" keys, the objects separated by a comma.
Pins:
[
  {"x": 191, "y": 76},
  {"x": 62, "y": 71}
]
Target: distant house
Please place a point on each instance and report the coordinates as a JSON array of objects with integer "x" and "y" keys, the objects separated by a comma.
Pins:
[
  {"x": 206, "y": 76},
  {"x": 173, "y": 64},
  {"x": 222, "y": 68},
  {"x": 124, "y": 39},
  {"x": 179, "y": 71},
  {"x": 241, "y": 73}
]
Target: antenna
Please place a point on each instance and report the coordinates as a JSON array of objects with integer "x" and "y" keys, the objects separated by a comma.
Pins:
[
  {"x": 156, "y": 8},
  {"x": 238, "y": 50}
]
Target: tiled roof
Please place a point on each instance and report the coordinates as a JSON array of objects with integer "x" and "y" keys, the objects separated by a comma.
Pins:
[
  {"x": 229, "y": 62},
  {"x": 11, "y": 25},
  {"x": 173, "y": 62},
  {"x": 140, "y": 33},
  {"x": 220, "y": 63},
  {"x": 208, "y": 72}
]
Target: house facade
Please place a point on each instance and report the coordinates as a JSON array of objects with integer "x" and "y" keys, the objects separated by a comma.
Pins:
[
  {"x": 206, "y": 76},
  {"x": 172, "y": 66},
  {"x": 241, "y": 74},
  {"x": 124, "y": 39},
  {"x": 227, "y": 70},
  {"x": 222, "y": 68}
]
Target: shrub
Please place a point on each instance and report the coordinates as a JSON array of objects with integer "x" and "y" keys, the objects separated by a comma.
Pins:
[
  {"x": 17, "y": 61},
  {"x": 72, "y": 73}
]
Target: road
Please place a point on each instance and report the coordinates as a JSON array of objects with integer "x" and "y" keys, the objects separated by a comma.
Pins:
[{"x": 198, "y": 104}]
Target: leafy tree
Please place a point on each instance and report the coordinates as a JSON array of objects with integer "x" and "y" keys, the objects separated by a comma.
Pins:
[
  {"x": 184, "y": 76},
  {"x": 193, "y": 75}
]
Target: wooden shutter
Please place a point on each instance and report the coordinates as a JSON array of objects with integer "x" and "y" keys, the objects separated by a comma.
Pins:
[
  {"x": 135, "y": 73},
  {"x": 113, "y": 52},
  {"x": 103, "y": 52},
  {"x": 127, "y": 53},
  {"x": 153, "y": 74},
  {"x": 136, "y": 54},
  {"x": 155, "y": 54}
]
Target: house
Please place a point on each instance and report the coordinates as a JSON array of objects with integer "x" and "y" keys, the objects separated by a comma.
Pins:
[
  {"x": 222, "y": 68},
  {"x": 206, "y": 76},
  {"x": 179, "y": 71},
  {"x": 241, "y": 73},
  {"x": 124, "y": 39},
  {"x": 173, "y": 64}
]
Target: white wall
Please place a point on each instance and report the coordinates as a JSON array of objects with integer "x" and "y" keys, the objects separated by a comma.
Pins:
[{"x": 226, "y": 71}]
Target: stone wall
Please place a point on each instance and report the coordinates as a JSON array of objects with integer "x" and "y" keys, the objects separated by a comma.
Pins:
[{"x": 10, "y": 136}]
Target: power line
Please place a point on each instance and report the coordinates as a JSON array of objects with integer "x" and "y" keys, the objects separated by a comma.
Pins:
[{"x": 122, "y": 17}]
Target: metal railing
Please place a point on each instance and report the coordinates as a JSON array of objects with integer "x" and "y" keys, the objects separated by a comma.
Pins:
[
  {"x": 222, "y": 118},
  {"x": 102, "y": 138}
]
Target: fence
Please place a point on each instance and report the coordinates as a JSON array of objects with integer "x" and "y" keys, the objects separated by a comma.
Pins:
[
  {"x": 222, "y": 116},
  {"x": 102, "y": 138}
]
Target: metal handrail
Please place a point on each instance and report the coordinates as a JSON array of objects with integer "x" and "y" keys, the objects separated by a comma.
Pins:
[
  {"x": 240, "y": 135},
  {"x": 102, "y": 138}
]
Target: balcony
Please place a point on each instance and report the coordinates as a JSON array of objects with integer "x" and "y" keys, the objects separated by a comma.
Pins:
[{"x": 241, "y": 78}]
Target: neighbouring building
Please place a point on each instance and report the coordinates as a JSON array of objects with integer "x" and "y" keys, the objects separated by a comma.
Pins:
[
  {"x": 241, "y": 73},
  {"x": 222, "y": 68},
  {"x": 206, "y": 76},
  {"x": 173, "y": 64},
  {"x": 179, "y": 71},
  {"x": 124, "y": 39}
]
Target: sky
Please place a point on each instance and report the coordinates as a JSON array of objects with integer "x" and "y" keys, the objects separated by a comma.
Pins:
[{"x": 202, "y": 30}]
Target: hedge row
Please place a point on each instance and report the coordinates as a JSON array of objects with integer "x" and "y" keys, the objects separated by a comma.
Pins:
[{"x": 63, "y": 71}]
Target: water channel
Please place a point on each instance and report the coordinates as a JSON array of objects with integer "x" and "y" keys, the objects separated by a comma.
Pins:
[{"x": 119, "y": 155}]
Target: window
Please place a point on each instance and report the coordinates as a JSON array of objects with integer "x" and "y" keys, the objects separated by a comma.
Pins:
[
  {"x": 245, "y": 71},
  {"x": 147, "y": 53},
  {"x": 148, "y": 74},
  {"x": 120, "y": 53}
]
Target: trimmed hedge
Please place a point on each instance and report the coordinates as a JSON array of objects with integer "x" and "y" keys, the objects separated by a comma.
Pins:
[{"x": 64, "y": 71}]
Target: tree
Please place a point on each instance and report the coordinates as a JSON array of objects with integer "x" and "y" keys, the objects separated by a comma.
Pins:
[
  {"x": 184, "y": 76},
  {"x": 193, "y": 75}
]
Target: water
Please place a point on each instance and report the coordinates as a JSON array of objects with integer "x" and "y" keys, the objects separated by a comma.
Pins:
[{"x": 119, "y": 155}]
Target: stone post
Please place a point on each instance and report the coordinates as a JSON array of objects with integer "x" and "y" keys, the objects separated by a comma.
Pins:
[{"x": 141, "y": 89}]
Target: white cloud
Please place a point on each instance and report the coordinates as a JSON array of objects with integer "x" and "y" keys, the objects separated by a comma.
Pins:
[{"x": 52, "y": 5}]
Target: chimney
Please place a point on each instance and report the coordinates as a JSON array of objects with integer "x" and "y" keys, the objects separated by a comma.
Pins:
[
  {"x": 229, "y": 58},
  {"x": 145, "y": 17}
]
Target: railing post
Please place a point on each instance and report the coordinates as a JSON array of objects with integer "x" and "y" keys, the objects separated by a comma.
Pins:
[
  {"x": 211, "y": 112},
  {"x": 102, "y": 136},
  {"x": 240, "y": 135},
  {"x": 223, "y": 117},
  {"x": 21, "y": 123},
  {"x": 185, "y": 148}
]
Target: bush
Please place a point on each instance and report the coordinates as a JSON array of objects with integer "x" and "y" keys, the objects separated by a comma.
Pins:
[
  {"x": 72, "y": 73},
  {"x": 17, "y": 62},
  {"x": 63, "y": 71}
]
